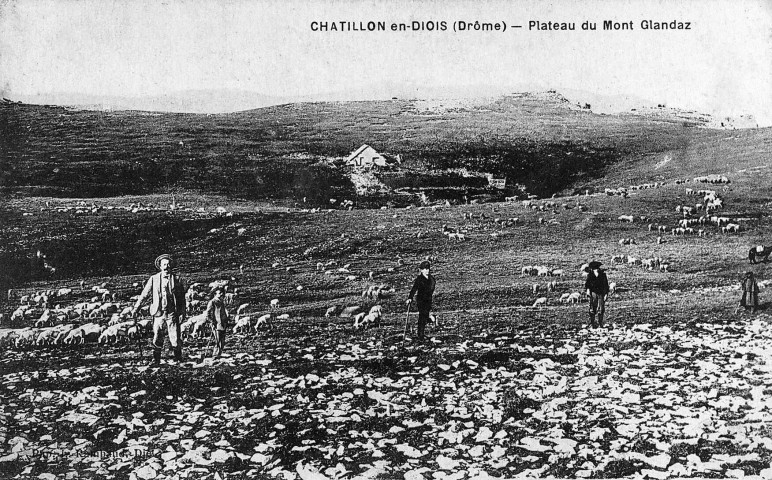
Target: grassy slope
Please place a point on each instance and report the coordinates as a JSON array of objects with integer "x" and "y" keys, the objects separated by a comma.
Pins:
[{"x": 538, "y": 142}]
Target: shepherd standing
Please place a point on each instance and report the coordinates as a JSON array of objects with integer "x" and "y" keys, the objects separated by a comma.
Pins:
[
  {"x": 167, "y": 307},
  {"x": 217, "y": 315},
  {"x": 423, "y": 290},
  {"x": 750, "y": 292},
  {"x": 597, "y": 290}
]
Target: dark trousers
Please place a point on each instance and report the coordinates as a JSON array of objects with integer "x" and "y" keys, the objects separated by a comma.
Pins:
[
  {"x": 753, "y": 297},
  {"x": 220, "y": 345},
  {"x": 597, "y": 307},
  {"x": 423, "y": 318}
]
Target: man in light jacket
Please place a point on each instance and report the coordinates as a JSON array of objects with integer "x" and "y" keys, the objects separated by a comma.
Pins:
[{"x": 167, "y": 307}]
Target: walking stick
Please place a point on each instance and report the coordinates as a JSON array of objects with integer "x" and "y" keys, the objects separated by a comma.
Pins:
[
  {"x": 141, "y": 353},
  {"x": 208, "y": 344},
  {"x": 404, "y": 332}
]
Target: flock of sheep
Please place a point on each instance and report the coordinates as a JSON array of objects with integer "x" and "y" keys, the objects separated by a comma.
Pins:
[
  {"x": 552, "y": 286},
  {"x": 105, "y": 318}
]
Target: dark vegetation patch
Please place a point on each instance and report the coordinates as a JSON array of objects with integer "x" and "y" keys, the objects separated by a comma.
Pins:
[{"x": 276, "y": 152}]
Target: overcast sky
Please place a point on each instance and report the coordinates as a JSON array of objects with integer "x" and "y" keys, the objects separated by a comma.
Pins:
[{"x": 132, "y": 48}]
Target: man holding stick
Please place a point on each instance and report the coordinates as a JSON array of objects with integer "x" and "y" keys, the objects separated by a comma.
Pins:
[{"x": 597, "y": 291}]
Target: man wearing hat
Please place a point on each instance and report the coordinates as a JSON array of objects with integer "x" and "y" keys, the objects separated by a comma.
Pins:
[
  {"x": 597, "y": 290},
  {"x": 423, "y": 289},
  {"x": 750, "y": 298},
  {"x": 167, "y": 307}
]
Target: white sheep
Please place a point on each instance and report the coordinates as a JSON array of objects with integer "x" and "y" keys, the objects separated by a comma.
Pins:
[
  {"x": 198, "y": 322},
  {"x": 26, "y": 337},
  {"x": 115, "y": 332},
  {"x": 575, "y": 297},
  {"x": 540, "y": 302},
  {"x": 358, "y": 318},
  {"x": 46, "y": 336},
  {"x": 535, "y": 288},
  {"x": 263, "y": 321},
  {"x": 243, "y": 324}
]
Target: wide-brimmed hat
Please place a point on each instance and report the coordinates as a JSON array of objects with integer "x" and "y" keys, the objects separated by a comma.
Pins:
[
  {"x": 425, "y": 264},
  {"x": 161, "y": 257}
]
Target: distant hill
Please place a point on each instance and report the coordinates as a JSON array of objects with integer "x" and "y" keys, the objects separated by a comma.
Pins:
[
  {"x": 191, "y": 101},
  {"x": 542, "y": 141}
]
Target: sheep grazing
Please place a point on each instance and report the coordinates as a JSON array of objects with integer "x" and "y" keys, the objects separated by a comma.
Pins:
[
  {"x": 115, "y": 333},
  {"x": 8, "y": 339},
  {"x": 540, "y": 302},
  {"x": 575, "y": 297},
  {"x": 48, "y": 336},
  {"x": 618, "y": 259},
  {"x": 358, "y": 318},
  {"x": 552, "y": 286},
  {"x": 349, "y": 312},
  {"x": 45, "y": 320},
  {"x": 264, "y": 321},
  {"x": 199, "y": 321},
  {"x": 243, "y": 324},
  {"x": 543, "y": 271},
  {"x": 626, "y": 218},
  {"x": 26, "y": 338},
  {"x": 332, "y": 311},
  {"x": 558, "y": 272},
  {"x": 89, "y": 332},
  {"x": 564, "y": 297},
  {"x": 612, "y": 288},
  {"x": 373, "y": 318}
]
